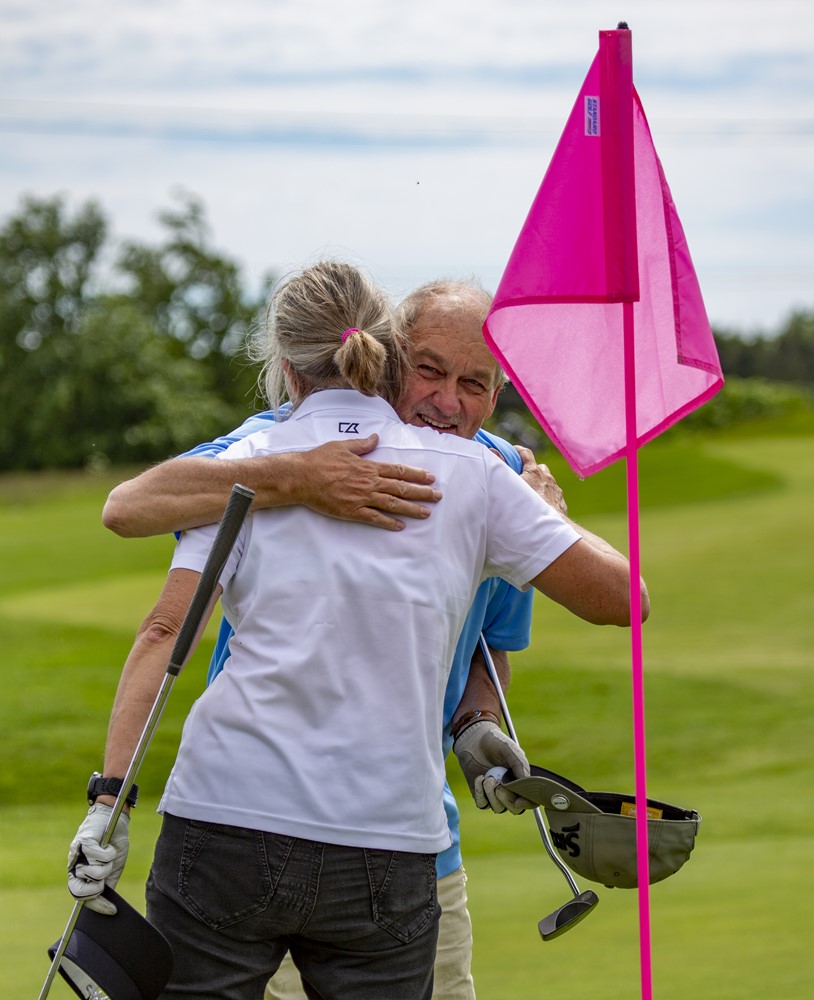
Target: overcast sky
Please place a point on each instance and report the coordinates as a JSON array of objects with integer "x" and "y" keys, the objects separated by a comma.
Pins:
[{"x": 412, "y": 136}]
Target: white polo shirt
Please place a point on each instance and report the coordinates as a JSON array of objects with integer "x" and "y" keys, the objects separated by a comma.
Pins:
[{"x": 326, "y": 720}]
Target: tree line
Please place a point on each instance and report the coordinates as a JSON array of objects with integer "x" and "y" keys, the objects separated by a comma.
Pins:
[
  {"x": 121, "y": 353},
  {"x": 117, "y": 353}
]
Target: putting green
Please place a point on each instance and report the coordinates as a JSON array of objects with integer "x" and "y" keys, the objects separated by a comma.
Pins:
[
  {"x": 727, "y": 551},
  {"x": 117, "y": 603}
]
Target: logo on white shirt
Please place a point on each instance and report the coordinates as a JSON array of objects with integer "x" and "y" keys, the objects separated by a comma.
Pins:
[{"x": 346, "y": 427}]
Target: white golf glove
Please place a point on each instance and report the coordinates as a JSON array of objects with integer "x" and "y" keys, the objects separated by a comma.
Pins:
[
  {"x": 482, "y": 746},
  {"x": 90, "y": 866}
]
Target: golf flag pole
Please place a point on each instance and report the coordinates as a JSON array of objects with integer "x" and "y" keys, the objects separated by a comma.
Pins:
[
  {"x": 234, "y": 515},
  {"x": 599, "y": 322},
  {"x": 637, "y": 660}
]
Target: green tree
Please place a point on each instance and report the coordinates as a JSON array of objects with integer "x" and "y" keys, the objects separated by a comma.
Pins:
[
  {"x": 89, "y": 375},
  {"x": 122, "y": 397},
  {"x": 791, "y": 358},
  {"x": 48, "y": 262},
  {"x": 196, "y": 298},
  {"x": 787, "y": 356}
]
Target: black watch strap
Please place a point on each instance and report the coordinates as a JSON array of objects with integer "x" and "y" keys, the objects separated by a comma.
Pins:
[{"x": 99, "y": 785}]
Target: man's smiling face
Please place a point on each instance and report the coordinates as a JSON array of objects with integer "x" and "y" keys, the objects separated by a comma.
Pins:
[{"x": 455, "y": 379}]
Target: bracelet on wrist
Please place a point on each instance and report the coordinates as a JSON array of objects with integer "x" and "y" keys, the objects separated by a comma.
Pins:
[{"x": 470, "y": 718}]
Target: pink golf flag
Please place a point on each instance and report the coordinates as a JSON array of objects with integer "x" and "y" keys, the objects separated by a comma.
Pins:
[{"x": 603, "y": 230}]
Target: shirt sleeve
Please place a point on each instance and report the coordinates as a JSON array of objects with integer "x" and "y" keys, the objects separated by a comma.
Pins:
[
  {"x": 507, "y": 618},
  {"x": 508, "y": 452},
  {"x": 257, "y": 422},
  {"x": 192, "y": 550},
  {"x": 525, "y": 534},
  {"x": 507, "y": 621},
  {"x": 187, "y": 556}
]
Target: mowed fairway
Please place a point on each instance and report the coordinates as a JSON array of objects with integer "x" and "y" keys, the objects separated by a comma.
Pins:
[{"x": 727, "y": 547}]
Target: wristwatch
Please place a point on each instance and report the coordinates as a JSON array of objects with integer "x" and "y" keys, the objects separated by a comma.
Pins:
[{"x": 99, "y": 785}]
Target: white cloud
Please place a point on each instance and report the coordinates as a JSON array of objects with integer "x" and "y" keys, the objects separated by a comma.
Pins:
[{"x": 413, "y": 135}]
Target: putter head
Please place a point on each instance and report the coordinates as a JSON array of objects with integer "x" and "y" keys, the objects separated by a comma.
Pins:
[{"x": 568, "y": 915}]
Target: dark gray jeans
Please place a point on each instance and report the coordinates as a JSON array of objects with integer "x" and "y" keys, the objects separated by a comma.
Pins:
[{"x": 360, "y": 924}]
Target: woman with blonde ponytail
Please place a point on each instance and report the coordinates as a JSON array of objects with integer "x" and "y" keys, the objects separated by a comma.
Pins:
[{"x": 305, "y": 808}]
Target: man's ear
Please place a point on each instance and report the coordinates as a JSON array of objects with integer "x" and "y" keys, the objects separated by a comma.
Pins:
[{"x": 495, "y": 394}]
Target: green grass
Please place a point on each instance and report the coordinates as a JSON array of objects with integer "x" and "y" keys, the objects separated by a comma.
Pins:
[{"x": 727, "y": 547}]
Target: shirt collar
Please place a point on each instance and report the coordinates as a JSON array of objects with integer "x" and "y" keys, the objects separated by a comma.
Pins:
[{"x": 344, "y": 400}]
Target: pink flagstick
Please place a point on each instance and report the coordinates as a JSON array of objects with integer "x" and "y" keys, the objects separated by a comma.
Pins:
[{"x": 637, "y": 659}]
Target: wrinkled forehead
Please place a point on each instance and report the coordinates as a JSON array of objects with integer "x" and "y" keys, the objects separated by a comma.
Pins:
[
  {"x": 470, "y": 306},
  {"x": 450, "y": 333}
]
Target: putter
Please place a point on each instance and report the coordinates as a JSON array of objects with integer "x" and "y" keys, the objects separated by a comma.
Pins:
[
  {"x": 576, "y": 909},
  {"x": 233, "y": 517}
]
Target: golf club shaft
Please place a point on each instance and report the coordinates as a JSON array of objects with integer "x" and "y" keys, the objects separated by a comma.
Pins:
[
  {"x": 490, "y": 666},
  {"x": 233, "y": 517}
]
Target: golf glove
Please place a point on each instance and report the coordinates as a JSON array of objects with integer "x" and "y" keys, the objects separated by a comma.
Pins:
[
  {"x": 484, "y": 745},
  {"x": 91, "y": 866}
]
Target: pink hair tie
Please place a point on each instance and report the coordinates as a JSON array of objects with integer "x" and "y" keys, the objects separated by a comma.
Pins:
[{"x": 348, "y": 332}]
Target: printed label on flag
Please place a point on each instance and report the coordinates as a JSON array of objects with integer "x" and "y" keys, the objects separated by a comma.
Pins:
[{"x": 591, "y": 116}]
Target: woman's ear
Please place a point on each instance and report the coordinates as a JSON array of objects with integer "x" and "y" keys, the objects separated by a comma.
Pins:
[{"x": 293, "y": 384}]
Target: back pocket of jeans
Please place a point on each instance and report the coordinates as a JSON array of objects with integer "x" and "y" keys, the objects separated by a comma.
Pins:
[
  {"x": 403, "y": 891},
  {"x": 225, "y": 876}
]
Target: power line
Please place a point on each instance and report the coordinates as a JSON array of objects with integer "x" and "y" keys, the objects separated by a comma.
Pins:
[{"x": 191, "y": 124}]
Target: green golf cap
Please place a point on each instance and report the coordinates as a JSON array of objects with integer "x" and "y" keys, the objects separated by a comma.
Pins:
[{"x": 595, "y": 832}]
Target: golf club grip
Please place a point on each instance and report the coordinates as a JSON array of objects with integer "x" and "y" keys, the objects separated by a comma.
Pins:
[{"x": 233, "y": 517}]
